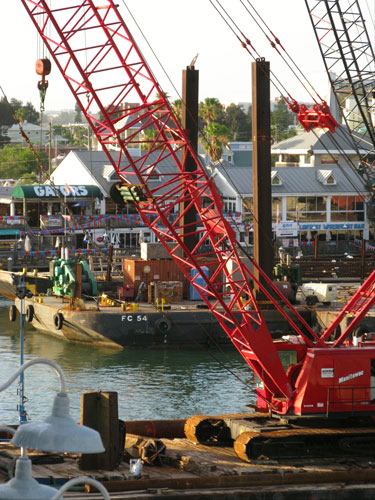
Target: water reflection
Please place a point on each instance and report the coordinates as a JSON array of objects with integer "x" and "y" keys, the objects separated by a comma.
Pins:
[{"x": 150, "y": 383}]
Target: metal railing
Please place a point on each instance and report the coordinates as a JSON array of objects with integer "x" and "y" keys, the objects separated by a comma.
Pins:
[{"x": 351, "y": 401}]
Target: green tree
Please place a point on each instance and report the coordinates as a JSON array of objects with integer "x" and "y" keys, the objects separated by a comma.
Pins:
[
  {"x": 214, "y": 138},
  {"x": 148, "y": 135},
  {"x": 6, "y": 117},
  {"x": 211, "y": 110},
  {"x": 19, "y": 163},
  {"x": 238, "y": 123},
  {"x": 78, "y": 114},
  {"x": 31, "y": 114},
  {"x": 281, "y": 120},
  {"x": 63, "y": 132},
  {"x": 177, "y": 108}
]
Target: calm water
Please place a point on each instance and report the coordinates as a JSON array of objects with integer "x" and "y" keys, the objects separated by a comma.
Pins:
[{"x": 150, "y": 384}]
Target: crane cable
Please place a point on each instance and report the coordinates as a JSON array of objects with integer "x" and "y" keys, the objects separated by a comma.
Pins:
[
  {"x": 253, "y": 17},
  {"x": 177, "y": 92},
  {"x": 275, "y": 43}
]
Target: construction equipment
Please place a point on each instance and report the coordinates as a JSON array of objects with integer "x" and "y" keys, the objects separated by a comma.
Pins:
[
  {"x": 349, "y": 57},
  {"x": 305, "y": 377},
  {"x": 72, "y": 279},
  {"x": 319, "y": 292}
]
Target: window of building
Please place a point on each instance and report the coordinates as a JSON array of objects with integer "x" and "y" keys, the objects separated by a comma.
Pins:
[
  {"x": 308, "y": 208},
  {"x": 229, "y": 205},
  {"x": 329, "y": 159},
  {"x": 286, "y": 158},
  {"x": 275, "y": 179},
  {"x": 276, "y": 208},
  {"x": 347, "y": 208}
]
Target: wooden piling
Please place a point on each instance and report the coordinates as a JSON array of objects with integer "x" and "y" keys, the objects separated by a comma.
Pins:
[{"x": 99, "y": 410}]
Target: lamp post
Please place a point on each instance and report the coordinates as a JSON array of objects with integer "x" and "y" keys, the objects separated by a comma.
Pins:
[{"x": 58, "y": 433}]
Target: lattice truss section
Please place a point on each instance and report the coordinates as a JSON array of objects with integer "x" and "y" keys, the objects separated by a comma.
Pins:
[
  {"x": 102, "y": 65},
  {"x": 348, "y": 55}
]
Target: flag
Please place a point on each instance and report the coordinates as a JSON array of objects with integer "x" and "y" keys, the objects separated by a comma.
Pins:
[
  {"x": 69, "y": 190},
  {"x": 297, "y": 217},
  {"x": 278, "y": 219}
]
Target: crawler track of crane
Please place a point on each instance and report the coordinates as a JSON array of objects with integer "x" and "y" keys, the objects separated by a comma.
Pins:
[{"x": 278, "y": 439}]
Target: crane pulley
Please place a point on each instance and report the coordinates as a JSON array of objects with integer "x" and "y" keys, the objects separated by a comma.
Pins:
[{"x": 43, "y": 68}]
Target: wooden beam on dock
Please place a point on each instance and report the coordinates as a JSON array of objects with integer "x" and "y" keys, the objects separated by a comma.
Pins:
[{"x": 99, "y": 410}]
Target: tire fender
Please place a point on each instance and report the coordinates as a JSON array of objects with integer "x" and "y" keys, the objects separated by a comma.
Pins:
[
  {"x": 58, "y": 320},
  {"x": 12, "y": 313},
  {"x": 29, "y": 313},
  {"x": 163, "y": 325}
]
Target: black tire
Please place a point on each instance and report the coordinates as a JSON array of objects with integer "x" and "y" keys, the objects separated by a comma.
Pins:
[
  {"x": 29, "y": 313},
  {"x": 311, "y": 300},
  {"x": 58, "y": 321},
  {"x": 12, "y": 313},
  {"x": 163, "y": 325}
]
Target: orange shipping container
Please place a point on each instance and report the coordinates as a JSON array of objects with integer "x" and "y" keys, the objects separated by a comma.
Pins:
[{"x": 137, "y": 270}]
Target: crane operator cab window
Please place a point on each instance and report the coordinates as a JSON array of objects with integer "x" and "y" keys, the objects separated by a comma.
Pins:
[{"x": 287, "y": 358}]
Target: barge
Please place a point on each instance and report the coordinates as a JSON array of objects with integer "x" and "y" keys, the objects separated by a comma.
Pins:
[{"x": 181, "y": 324}]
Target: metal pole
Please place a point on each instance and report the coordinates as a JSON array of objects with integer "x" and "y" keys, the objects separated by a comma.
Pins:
[
  {"x": 21, "y": 392},
  {"x": 50, "y": 149},
  {"x": 363, "y": 257},
  {"x": 262, "y": 194},
  {"x": 189, "y": 121}
]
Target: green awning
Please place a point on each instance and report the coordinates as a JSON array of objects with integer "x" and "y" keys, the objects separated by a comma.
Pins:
[
  {"x": 46, "y": 192},
  {"x": 9, "y": 232}
]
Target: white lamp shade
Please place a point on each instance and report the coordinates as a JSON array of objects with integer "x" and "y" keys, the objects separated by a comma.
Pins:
[
  {"x": 23, "y": 486},
  {"x": 58, "y": 432}
]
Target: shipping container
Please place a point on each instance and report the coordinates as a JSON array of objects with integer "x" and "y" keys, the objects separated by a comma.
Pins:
[{"x": 137, "y": 271}]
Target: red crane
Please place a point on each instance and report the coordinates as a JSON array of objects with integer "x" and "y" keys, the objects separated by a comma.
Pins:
[{"x": 104, "y": 68}]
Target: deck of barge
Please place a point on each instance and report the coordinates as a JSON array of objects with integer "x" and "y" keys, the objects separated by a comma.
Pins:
[{"x": 197, "y": 471}]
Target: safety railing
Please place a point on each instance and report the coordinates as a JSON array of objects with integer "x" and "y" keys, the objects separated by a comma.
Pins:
[{"x": 352, "y": 401}]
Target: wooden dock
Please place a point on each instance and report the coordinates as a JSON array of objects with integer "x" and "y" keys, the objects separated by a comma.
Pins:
[{"x": 197, "y": 471}]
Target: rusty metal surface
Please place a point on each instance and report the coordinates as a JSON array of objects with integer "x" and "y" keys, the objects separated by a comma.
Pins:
[
  {"x": 157, "y": 428},
  {"x": 213, "y": 429}
]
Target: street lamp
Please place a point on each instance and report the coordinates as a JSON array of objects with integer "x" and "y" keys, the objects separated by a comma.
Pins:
[{"x": 58, "y": 433}]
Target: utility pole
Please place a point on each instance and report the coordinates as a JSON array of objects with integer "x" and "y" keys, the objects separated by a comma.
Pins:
[
  {"x": 189, "y": 121},
  {"x": 262, "y": 194},
  {"x": 50, "y": 150}
]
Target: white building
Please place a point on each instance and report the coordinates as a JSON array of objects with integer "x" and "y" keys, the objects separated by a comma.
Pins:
[{"x": 36, "y": 133}]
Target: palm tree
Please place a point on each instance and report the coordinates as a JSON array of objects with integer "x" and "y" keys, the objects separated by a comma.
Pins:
[
  {"x": 177, "y": 108},
  {"x": 214, "y": 138},
  {"x": 210, "y": 109}
]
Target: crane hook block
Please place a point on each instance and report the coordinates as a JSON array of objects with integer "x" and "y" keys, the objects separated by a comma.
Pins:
[
  {"x": 43, "y": 67},
  {"x": 319, "y": 116}
]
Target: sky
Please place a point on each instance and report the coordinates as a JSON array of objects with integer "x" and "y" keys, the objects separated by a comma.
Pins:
[{"x": 177, "y": 31}]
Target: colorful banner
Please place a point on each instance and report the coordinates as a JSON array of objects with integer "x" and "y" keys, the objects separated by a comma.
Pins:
[{"x": 58, "y": 252}]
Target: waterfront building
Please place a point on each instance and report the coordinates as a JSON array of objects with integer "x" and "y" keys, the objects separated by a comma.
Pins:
[
  {"x": 37, "y": 134},
  {"x": 306, "y": 202}
]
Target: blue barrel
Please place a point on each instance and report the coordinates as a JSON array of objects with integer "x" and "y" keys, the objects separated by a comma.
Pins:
[{"x": 194, "y": 295}]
